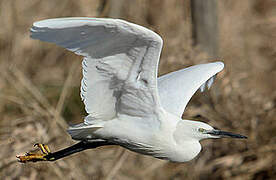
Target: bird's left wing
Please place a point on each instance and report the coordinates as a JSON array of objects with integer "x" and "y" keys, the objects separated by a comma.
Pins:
[
  {"x": 119, "y": 67},
  {"x": 177, "y": 88}
]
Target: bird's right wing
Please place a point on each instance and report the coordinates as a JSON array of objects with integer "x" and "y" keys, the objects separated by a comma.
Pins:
[
  {"x": 119, "y": 66},
  {"x": 176, "y": 88}
]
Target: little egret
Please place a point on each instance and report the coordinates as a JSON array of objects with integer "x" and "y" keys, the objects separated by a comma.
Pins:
[{"x": 127, "y": 104}]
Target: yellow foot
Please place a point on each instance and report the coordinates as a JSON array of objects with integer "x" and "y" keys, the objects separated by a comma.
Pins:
[
  {"x": 34, "y": 157},
  {"x": 44, "y": 148}
]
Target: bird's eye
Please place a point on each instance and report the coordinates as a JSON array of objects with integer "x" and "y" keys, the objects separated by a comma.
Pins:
[{"x": 201, "y": 130}]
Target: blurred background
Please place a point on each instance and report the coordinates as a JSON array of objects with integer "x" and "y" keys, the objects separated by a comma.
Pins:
[{"x": 39, "y": 88}]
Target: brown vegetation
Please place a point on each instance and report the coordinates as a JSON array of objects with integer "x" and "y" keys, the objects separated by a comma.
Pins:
[{"x": 39, "y": 91}]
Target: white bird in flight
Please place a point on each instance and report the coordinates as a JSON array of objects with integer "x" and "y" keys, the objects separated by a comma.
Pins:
[{"x": 127, "y": 104}]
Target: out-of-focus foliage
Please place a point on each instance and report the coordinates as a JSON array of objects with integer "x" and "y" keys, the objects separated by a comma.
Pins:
[{"x": 39, "y": 90}]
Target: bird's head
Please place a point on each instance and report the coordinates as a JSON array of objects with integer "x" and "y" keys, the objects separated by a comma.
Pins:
[
  {"x": 188, "y": 134},
  {"x": 200, "y": 130}
]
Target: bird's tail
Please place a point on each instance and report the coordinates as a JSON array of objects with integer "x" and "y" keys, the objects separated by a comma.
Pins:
[{"x": 82, "y": 131}]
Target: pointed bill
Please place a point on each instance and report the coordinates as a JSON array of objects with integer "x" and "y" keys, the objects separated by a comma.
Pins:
[{"x": 221, "y": 134}]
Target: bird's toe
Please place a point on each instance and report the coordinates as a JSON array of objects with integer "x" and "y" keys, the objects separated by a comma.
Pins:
[{"x": 35, "y": 156}]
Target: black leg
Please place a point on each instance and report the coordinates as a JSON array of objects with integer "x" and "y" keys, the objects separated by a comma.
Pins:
[
  {"x": 49, "y": 156},
  {"x": 81, "y": 146}
]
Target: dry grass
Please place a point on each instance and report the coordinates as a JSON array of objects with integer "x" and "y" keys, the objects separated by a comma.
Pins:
[{"x": 39, "y": 87}]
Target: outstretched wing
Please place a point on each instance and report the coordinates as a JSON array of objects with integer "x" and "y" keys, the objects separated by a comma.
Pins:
[
  {"x": 119, "y": 66},
  {"x": 176, "y": 88}
]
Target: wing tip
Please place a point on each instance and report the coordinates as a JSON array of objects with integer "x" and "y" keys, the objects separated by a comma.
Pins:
[{"x": 220, "y": 65}]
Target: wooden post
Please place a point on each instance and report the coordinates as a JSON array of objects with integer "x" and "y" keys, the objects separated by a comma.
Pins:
[{"x": 204, "y": 25}]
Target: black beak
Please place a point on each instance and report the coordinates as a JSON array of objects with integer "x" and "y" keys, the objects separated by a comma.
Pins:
[{"x": 221, "y": 134}]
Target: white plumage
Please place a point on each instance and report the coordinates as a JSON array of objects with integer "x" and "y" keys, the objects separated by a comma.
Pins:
[{"x": 125, "y": 102}]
